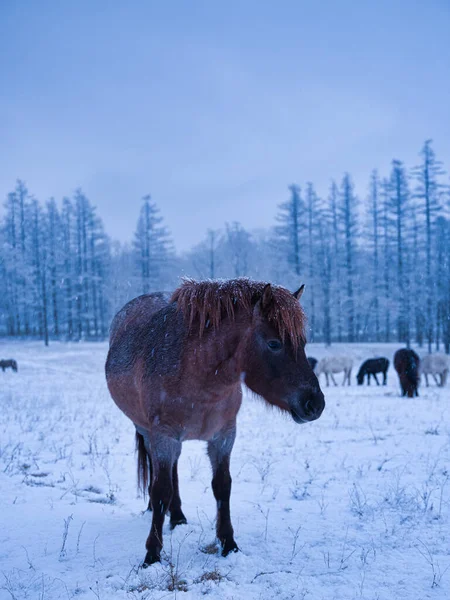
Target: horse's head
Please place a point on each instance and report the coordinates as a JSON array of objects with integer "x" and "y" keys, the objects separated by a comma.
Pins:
[
  {"x": 360, "y": 377},
  {"x": 277, "y": 369}
]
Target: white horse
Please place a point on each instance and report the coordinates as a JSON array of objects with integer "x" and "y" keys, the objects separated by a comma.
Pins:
[
  {"x": 335, "y": 364},
  {"x": 435, "y": 364}
]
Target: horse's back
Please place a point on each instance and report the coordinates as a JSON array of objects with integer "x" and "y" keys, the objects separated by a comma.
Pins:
[
  {"x": 435, "y": 363},
  {"x": 335, "y": 363},
  {"x": 405, "y": 356},
  {"x": 138, "y": 312},
  {"x": 376, "y": 364}
]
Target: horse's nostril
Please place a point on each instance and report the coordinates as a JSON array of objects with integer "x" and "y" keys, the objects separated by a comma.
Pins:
[{"x": 313, "y": 405}]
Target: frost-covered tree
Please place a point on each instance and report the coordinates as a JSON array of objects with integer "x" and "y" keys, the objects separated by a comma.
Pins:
[
  {"x": 288, "y": 231},
  {"x": 428, "y": 191},
  {"x": 399, "y": 205},
  {"x": 348, "y": 214},
  {"x": 153, "y": 246}
]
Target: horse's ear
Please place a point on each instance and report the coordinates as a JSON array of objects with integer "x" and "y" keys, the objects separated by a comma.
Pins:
[
  {"x": 298, "y": 294},
  {"x": 267, "y": 297},
  {"x": 263, "y": 304}
]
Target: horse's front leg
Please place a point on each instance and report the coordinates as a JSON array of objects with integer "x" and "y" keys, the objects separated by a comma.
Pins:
[
  {"x": 436, "y": 379},
  {"x": 219, "y": 451},
  {"x": 376, "y": 379},
  {"x": 332, "y": 378},
  {"x": 165, "y": 452}
]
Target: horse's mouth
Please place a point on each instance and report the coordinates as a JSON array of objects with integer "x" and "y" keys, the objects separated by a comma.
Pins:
[{"x": 297, "y": 418}]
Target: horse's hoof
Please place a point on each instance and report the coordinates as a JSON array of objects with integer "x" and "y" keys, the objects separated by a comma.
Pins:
[
  {"x": 150, "y": 559},
  {"x": 181, "y": 520},
  {"x": 229, "y": 547}
]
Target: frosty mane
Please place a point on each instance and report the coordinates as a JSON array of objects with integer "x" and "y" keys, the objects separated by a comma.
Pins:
[{"x": 208, "y": 302}]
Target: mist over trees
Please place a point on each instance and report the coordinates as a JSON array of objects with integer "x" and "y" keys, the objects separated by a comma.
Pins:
[{"x": 376, "y": 262}]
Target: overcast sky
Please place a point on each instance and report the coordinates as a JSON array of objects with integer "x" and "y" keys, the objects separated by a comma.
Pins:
[{"x": 215, "y": 107}]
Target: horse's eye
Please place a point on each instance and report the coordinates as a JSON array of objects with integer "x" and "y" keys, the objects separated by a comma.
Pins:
[{"x": 274, "y": 344}]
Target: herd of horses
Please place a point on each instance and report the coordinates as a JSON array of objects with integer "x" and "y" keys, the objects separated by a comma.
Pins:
[
  {"x": 407, "y": 363},
  {"x": 176, "y": 365}
]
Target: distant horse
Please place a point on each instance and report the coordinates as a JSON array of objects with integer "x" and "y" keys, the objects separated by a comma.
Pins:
[
  {"x": 312, "y": 362},
  {"x": 177, "y": 371},
  {"x": 372, "y": 366},
  {"x": 406, "y": 363},
  {"x": 335, "y": 364},
  {"x": 436, "y": 365},
  {"x": 10, "y": 362}
]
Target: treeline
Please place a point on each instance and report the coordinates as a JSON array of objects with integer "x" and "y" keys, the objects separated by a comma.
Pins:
[{"x": 377, "y": 266}]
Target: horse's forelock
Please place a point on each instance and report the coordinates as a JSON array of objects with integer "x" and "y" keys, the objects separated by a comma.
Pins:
[{"x": 208, "y": 301}]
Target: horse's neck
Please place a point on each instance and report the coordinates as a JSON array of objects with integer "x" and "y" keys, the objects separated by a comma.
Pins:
[{"x": 221, "y": 352}]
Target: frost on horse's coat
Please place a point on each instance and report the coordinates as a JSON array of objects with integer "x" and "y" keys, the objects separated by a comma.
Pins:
[{"x": 175, "y": 368}]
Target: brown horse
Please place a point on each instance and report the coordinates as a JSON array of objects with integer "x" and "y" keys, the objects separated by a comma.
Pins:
[
  {"x": 406, "y": 363},
  {"x": 175, "y": 368}
]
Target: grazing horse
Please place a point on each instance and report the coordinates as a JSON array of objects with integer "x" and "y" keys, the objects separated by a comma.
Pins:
[
  {"x": 8, "y": 363},
  {"x": 335, "y": 364},
  {"x": 436, "y": 365},
  {"x": 372, "y": 366},
  {"x": 406, "y": 363},
  {"x": 312, "y": 362},
  {"x": 176, "y": 371}
]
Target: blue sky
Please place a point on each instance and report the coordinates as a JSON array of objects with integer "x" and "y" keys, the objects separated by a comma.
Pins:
[{"x": 215, "y": 107}]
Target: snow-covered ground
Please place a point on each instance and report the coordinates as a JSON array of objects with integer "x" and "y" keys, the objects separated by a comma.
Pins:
[{"x": 355, "y": 505}]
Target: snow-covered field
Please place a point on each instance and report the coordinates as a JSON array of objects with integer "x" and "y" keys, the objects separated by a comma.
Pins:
[{"x": 355, "y": 505}]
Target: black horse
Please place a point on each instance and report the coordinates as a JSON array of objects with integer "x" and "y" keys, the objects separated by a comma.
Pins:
[
  {"x": 8, "y": 363},
  {"x": 312, "y": 362},
  {"x": 406, "y": 363},
  {"x": 372, "y": 367}
]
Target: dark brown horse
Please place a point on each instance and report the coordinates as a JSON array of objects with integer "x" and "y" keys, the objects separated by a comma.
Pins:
[
  {"x": 8, "y": 363},
  {"x": 371, "y": 367},
  {"x": 406, "y": 363},
  {"x": 175, "y": 368}
]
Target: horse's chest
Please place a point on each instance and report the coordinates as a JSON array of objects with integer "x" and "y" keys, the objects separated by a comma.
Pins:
[{"x": 204, "y": 421}]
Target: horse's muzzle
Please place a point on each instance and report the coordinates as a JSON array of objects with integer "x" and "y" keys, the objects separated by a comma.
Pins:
[{"x": 308, "y": 406}]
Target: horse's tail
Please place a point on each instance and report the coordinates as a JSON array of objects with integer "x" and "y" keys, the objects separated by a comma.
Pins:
[{"x": 143, "y": 464}]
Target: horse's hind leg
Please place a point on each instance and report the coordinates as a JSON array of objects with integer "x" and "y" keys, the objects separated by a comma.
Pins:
[
  {"x": 436, "y": 379},
  {"x": 176, "y": 514},
  {"x": 332, "y": 378},
  {"x": 219, "y": 450},
  {"x": 165, "y": 452},
  {"x": 376, "y": 378},
  {"x": 384, "y": 377},
  {"x": 426, "y": 378}
]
